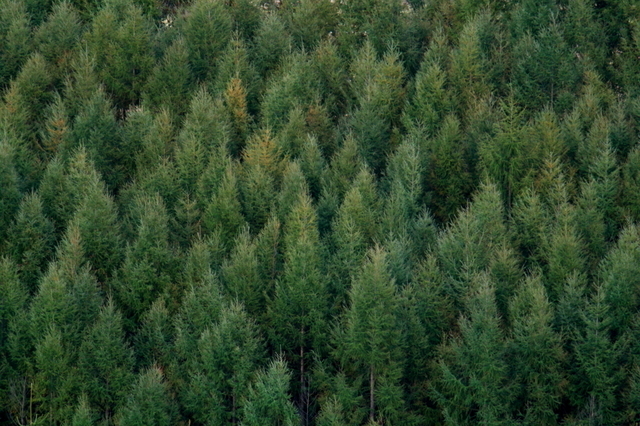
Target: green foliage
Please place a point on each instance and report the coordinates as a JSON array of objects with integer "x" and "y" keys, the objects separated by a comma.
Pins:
[
  {"x": 97, "y": 221},
  {"x": 473, "y": 382},
  {"x": 105, "y": 362},
  {"x": 371, "y": 340},
  {"x": 207, "y": 30},
  {"x": 267, "y": 401},
  {"x": 228, "y": 354},
  {"x": 10, "y": 196},
  {"x": 31, "y": 240},
  {"x": 149, "y": 264},
  {"x": 15, "y": 40},
  {"x": 425, "y": 209},
  {"x": 120, "y": 41},
  {"x": 58, "y": 36},
  {"x": 171, "y": 82},
  {"x": 538, "y": 350},
  {"x": 149, "y": 403}
]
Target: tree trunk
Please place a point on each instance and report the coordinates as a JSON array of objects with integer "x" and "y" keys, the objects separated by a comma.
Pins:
[
  {"x": 372, "y": 406},
  {"x": 304, "y": 417}
]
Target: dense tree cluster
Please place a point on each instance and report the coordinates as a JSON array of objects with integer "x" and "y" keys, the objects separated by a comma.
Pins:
[{"x": 319, "y": 212}]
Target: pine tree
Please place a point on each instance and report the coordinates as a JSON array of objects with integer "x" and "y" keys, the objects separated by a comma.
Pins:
[
  {"x": 149, "y": 267},
  {"x": 154, "y": 339},
  {"x": 430, "y": 102},
  {"x": 54, "y": 378},
  {"x": 619, "y": 277},
  {"x": 207, "y": 31},
  {"x": 537, "y": 354},
  {"x": 595, "y": 376},
  {"x": 473, "y": 384},
  {"x": 236, "y": 63},
  {"x": 120, "y": 40},
  {"x": 31, "y": 239},
  {"x": 57, "y": 37},
  {"x": 468, "y": 246},
  {"x": 311, "y": 21},
  {"x": 83, "y": 416},
  {"x": 228, "y": 354},
  {"x": 105, "y": 363},
  {"x": 241, "y": 276},
  {"x": 27, "y": 98},
  {"x": 171, "y": 82},
  {"x": 97, "y": 220},
  {"x": 16, "y": 39},
  {"x": 223, "y": 213},
  {"x": 372, "y": 341},
  {"x": 259, "y": 179},
  {"x": 10, "y": 195},
  {"x": 267, "y": 402},
  {"x": 272, "y": 41},
  {"x": 96, "y": 129},
  {"x": 298, "y": 310},
  {"x": 13, "y": 304},
  {"x": 447, "y": 180},
  {"x": 149, "y": 402}
]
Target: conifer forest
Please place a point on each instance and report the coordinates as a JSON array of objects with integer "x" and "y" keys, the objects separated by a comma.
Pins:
[{"x": 319, "y": 212}]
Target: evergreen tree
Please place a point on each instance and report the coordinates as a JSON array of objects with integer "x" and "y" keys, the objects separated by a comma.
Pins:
[
  {"x": 10, "y": 195},
  {"x": 54, "y": 378},
  {"x": 154, "y": 339},
  {"x": 57, "y": 37},
  {"x": 372, "y": 341},
  {"x": 298, "y": 311},
  {"x": 223, "y": 213},
  {"x": 149, "y": 402},
  {"x": 207, "y": 30},
  {"x": 473, "y": 385},
  {"x": 537, "y": 354},
  {"x": 241, "y": 275},
  {"x": 96, "y": 129},
  {"x": 83, "y": 415},
  {"x": 97, "y": 221},
  {"x": 228, "y": 354},
  {"x": 272, "y": 41},
  {"x": 27, "y": 99},
  {"x": 105, "y": 363},
  {"x": 448, "y": 180},
  {"x": 596, "y": 365},
  {"x": 120, "y": 40},
  {"x": 31, "y": 239},
  {"x": 149, "y": 266},
  {"x": 171, "y": 82},
  {"x": 16, "y": 42},
  {"x": 267, "y": 402}
]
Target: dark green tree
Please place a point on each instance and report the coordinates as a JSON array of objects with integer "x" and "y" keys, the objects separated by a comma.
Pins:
[
  {"x": 120, "y": 40},
  {"x": 171, "y": 82},
  {"x": 149, "y": 266},
  {"x": 267, "y": 402},
  {"x": 10, "y": 195},
  {"x": 16, "y": 41},
  {"x": 31, "y": 239},
  {"x": 298, "y": 310},
  {"x": 58, "y": 36},
  {"x": 371, "y": 343},
  {"x": 473, "y": 384},
  {"x": 537, "y": 353},
  {"x": 149, "y": 402},
  {"x": 228, "y": 354},
  {"x": 105, "y": 363},
  {"x": 207, "y": 30}
]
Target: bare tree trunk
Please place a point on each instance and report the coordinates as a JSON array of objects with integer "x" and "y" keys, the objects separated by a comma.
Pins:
[
  {"x": 302, "y": 378},
  {"x": 372, "y": 406}
]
